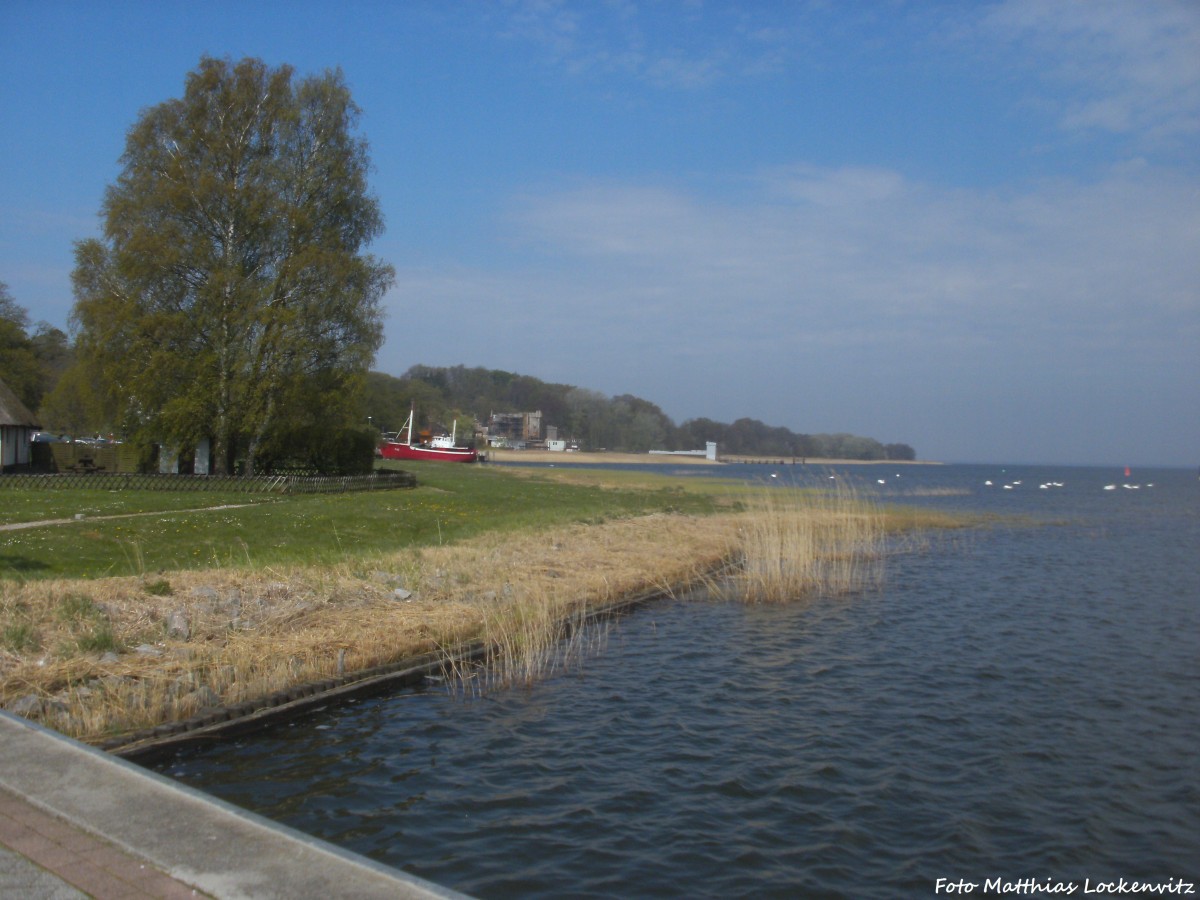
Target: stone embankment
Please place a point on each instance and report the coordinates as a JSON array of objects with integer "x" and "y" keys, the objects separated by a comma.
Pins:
[{"x": 80, "y": 823}]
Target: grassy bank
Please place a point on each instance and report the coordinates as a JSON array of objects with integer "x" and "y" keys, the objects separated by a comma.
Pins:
[
  {"x": 301, "y": 589},
  {"x": 106, "y": 536}
]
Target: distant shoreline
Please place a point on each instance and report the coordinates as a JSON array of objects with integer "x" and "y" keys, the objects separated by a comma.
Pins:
[{"x": 581, "y": 458}]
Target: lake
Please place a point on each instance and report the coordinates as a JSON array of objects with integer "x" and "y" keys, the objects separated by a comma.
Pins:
[{"x": 1019, "y": 701}]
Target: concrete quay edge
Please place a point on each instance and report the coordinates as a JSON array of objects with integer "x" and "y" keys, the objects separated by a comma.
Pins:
[{"x": 181, "y": 841}]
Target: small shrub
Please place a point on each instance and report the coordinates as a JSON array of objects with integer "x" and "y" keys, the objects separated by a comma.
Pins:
[
  {"x": 159, "y": 588},
  {"x": 318, "y": 447},
  {"x": 20, "y": 636},
  {"x": 77, "y": 608},
  {"x": 100, "y": 639},
  {"x": 88, "y": 624}
]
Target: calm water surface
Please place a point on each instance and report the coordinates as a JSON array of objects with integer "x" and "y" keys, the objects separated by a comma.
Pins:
[{"x": 1022, "y": 701}]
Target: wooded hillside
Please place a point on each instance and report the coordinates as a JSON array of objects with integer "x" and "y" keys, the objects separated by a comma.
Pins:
[{"x": 595, "y": 421}]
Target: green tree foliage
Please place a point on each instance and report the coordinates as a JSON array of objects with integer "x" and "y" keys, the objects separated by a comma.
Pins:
[
  {"x": 639, "y": 426},
  {"x": 75, "y": 405},
  {"x": 31, "y": 361},
  {"x": 11, "y": 311},
  {"x": 388, "y": 401},
  {"x": 333, "y": 451},
  {"x": 230, "y": 297},
  {"x": 18, "y": 365}
]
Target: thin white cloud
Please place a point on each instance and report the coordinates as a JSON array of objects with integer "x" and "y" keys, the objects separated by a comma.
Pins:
[
  {"x": 680, "y": 46},
  {"x": 1110, "y": 66},
  {"x": 851, "y": 299},
  {"x": 1129, "y": 66},
  {"x": 851, "y": 256},
  {"x": 888, "y": 246}
]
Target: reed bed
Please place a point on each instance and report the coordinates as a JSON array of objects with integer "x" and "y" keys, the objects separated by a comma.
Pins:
[
  {"x": 795, "y": 544},
  {"x": 543, "y": 617},
  {"x": 526, "y": 639},
  {"x": 109, "y": 656}
]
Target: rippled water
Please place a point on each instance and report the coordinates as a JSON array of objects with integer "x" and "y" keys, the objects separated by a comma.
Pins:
[{"x": 1020, "y": 701}]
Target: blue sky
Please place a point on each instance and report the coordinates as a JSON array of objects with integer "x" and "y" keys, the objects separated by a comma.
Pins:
[{"x": 970, "y": 227}]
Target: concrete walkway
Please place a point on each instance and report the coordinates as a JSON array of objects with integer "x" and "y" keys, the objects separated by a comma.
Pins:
[{"x": 75, "y": 822}]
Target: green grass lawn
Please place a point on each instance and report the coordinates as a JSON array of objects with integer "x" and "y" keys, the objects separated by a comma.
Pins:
[
  {"x": 38, "y": 505},
  {"x": 450, "y": 503}
]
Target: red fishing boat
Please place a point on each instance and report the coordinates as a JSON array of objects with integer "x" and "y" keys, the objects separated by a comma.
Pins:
[{"x": 444, "y": 447}]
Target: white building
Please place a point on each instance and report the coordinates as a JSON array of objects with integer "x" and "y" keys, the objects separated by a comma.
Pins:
[
  {"x": 709, "y": 452},
  {"x": 17, "y": 426}
]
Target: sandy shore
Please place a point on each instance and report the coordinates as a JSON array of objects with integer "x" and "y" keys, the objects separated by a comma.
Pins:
[{"x": 580, "y": 458}]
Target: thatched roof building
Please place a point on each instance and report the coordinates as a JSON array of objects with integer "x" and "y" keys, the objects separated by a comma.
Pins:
[{"x": 17, "y": 425}]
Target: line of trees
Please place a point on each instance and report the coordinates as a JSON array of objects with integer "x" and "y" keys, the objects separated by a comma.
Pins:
[
  {"x": 628, "y": 423},
  {"x": 230, "y": 300},
  {"x": 33, "y": 357}
]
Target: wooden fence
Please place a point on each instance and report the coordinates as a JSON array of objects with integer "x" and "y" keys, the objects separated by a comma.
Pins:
[{"x": 255, "y": 484}]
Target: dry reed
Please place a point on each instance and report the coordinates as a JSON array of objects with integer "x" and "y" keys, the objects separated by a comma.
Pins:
[
  {"x": 109, "y": 656},
  {"x": 190, "y": 641},
  {"x": 795, "y": 544}
]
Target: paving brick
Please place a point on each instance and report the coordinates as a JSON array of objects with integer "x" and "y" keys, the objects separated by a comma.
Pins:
[
  {"x": 72, "y": 810},
  {"x": 21, "y": 878},
  {"x": 92, "y": 879},
  {"x": 51, "y": 854}
]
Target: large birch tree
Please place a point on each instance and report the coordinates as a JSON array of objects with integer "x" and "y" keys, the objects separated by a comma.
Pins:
[{"x": 231, "y": 296}]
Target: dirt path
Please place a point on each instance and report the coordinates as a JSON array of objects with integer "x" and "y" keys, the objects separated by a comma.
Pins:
[{"x": 17, "y": 526}]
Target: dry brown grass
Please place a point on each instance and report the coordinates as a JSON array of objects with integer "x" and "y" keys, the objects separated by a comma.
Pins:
[
  {"x": 252, "y": 633},
  {"x": 100, "y": 657}
]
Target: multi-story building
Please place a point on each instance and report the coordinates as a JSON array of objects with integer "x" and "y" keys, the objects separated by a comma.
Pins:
[{"x": 514, "y": 429}]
